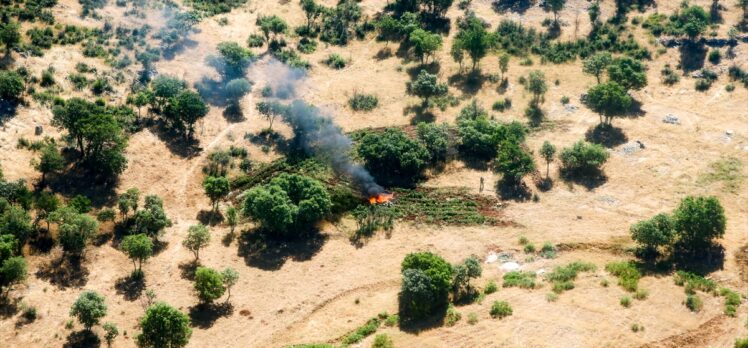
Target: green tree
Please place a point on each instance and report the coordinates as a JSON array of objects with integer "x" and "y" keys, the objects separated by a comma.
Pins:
[
  {"x": 554, "y": 6},
  {"x": 690, "y": 21},
  {"x": 435, "y": 138},
  {"x": 392, "y": 157},
  {"x": 480, "y": 137},
  {"x": 609, "y": 99},
  {"x": 75, "y": 229},
  {"x": 628, "y": 72},
  {"x": 236, "y": 89},
  {"x": 548, "y": 150},
  {"x": 536, "y": 85},
  {"x": 50, "y": 161},
  {"x": 110, "y": 333},
  {"x": 513, "y": 162},
  {"x": 436, "y": 8},
  {"x": 698, "y": 220},
  {"x": 164, "y": 327},
  {"x": 12, "y": 271},
  {"x": 232, "y": 219},
  {"x": 11, "y": 85},
  {"x": 184, "y": 110},
  {"x": 469, "y": 269},
  {"x": 653, "y": 233},
  {"x": 138, "y": 247},
  {"x": 17, "y": 222},
  {"x": 288, "y": 203},
  {"x": 128, "y": 201},
  {"x": 597, "y": 64},
  {"x": 424, "y": 44},
  {"x": 164, "y": 88},
  {"x": 271, "y": 25},
  {"x": 389, "y": 29},
  {"x": 474, "y": 39},
  {"x": 504, "y": 65},
  {"x": 583, "y": 158},
  {"x": 45, "y": 204},
  {"x": 198, "y": 237},
  {"x": 235, "y": 58},
  {"x": 208, "y": 284},
  {"x": 216, "y": 188},
  {"x": 140, "y": 99},
  {"x": 312, "y": 10},
  {"x": 89, "y": 308},
  {"x": 270, "y": 111},
  {"x": 230, "y": 278},
  {"x": 152, "y": 219},
  {"x": 10, "y": 35},
  {"x": 427, "y": 279},
  {"x": 427, "y": 86}
]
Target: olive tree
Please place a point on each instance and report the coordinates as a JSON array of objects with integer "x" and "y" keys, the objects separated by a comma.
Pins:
[
  {"x": 89, "y": 308},
  {"x": 427, "y": 279},
  {"x": 12, "y": 271},
  {"x": 11, "y": 85},
  {"x": 698, "y": 220},
  {"x": 208, "y": 284},
  {"x": 10, "y": 35},
  {"x": 110, "y": 333},
  {"x": 504, "y": 65},
  {"x": 513, "y": 162},
  {"x": 548, "y": 150},
  {"x": 426, "y": 86},
  {"x": 128, "y": 201},
  {"x": 74, "y": 229},
  {"x": 164, "y": 326},
  {"x": 536, "y": 85},
  {"x": 609, "y": 100},
  {"x": 469, "y": 269},
  {"x": 230, "y": 278},
  {"x": 392, "y": 157},
  {"x": 424, "y": 44},
  {"x": 597, "y": 64},
  {"x": 152, "y": 219},
  {"x": 628, "y": 72},
  {"x": 197, "y": 238},
  {"x": 216, "y": 188},
  {"x": 138, "y": 248},
  {"x": 50, "y": 161},
  {"x": 583, "y": 158},
  {"x": 653, "y": 233},
  {"x": 474, "y": 39}
]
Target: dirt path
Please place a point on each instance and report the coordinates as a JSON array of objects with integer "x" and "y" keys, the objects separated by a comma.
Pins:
[{"x": 702, "y": 336}]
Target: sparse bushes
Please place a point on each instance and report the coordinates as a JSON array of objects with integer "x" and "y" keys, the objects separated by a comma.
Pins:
[
  {"x": 694, "y": 303},
  {"x": 490, "y": 288},
  {"x": 363, "y": 102},
  {"x": 563, "y": 277},
  {"x": 362, "y": 332},
  {"x": 452, "y": 317},
  {"x": 524, "y": 280},
  {"x": 336, "y": 61},
  {"x": 382, "y": 341},
  {"x": 500, "y": 309},
  {"x": 669, "y": 76}
]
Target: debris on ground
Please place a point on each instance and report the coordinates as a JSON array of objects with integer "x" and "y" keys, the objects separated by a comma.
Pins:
[
  {"x": 633, "y": 147},
  {"x": 571, "y": 108},
  {"x": 671, "y": 119},
  {"x": 510, "y": 266}
]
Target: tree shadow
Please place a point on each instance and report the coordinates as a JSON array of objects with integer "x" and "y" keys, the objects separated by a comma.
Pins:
[
  {"x": 64, "y": 272},
  {"x": 8, "y": 307},
  {"x": 384, "y": 53},
  {"x": 209, "y": 217},
  {"x": 212, "y": 91},
  {"x": 264, "y": 252},
  {"x": 77, "y": 181},
  {"x": 270, "y": 139},
  {"x": 176, "y": 142},
  {"x": 228, "y": 238},
  {"x": 519, "y": 6},
  {"x": 233, "y": 113},
  {"x": 204, "y": 315},
  {"x": 703, "y": 262},
  {"x": 468, "y": 83},
  {"x": 175, "y": 50},
  {"x": 606, "y": 135},
  {"x": 8, "y": 110},
  {"x": 589, "y": 179},
  {"x": 692, "y": 56},
  {"x": 415, "y": 326},
  {"x": 431, "y": 68},
  {"x": 82, "y": 339},
  {"x": 420, "y": 112},
  {"x": 554, "y": 30},
  {"x": 131, "y": 286},
  {"x": 187, "y": 269},
  {"x": 514, "y": 191},
  {"x": 544, "y": 184},
  {"x": 43, "y": 243}
]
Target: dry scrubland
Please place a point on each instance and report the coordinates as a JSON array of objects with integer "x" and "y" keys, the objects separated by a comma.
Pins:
[{"x": 323, "y": 292}]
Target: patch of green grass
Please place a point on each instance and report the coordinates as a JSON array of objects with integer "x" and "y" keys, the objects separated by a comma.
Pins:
[
  {"x": 732, "y": 301},
  {"x": 363, "y": 102},
  {"x": 694, "y": 303},
  {"x": 728, "y": 171},
  {"x": 452, "y": 317},
  {"x": 453, "y": 206},
  {"x": 361, "y": 332},
  {"x": 626, "y": 301},
  {"x": 472, "y": 318},
  {"x": 693, "y": 282},
  {"x": 524, "y": 280},
  {"x": 490, "y": 287},
  {"x": 563, "y": 277},
  {"x": 627, "y": 273},
  {"x": 500, "y": 309}
]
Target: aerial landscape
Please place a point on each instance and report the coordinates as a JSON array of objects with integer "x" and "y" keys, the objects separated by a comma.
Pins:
[{"x": 373, "y": 173}]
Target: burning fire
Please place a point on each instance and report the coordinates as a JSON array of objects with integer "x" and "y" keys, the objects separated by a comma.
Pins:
[{"x": 381, "y": 198}]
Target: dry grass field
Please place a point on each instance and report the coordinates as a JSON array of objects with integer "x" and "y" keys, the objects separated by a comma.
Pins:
[{"x": 319, "y": 292}]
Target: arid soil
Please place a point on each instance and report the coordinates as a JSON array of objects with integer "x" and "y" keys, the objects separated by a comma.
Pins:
[{"x": 320, "y": 292}]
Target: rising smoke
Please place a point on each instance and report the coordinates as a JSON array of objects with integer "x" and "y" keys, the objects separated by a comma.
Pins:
[{"x": 315, "y": 130}]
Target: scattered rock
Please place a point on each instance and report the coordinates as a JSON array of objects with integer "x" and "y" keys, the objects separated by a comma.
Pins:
[
  {"x": 38, "y": 130},
  {"x": 671, "y": 119},
  {"x": 510, "y": 266},
  {"x": 571, "y": 108},
  {"x": 632, "y": 147},
  {"x": 492, "y": 257}
]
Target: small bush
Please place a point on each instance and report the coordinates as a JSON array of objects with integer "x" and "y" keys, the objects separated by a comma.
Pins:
[
  {"x": 523, "y": 240},
  {"x": 382, "y": 341},
  {"x": 529, "y": 248},
  {"x": 362, "y": 332},
  {"x": 307, "y": 45},
  {"x": 583, "y": 157},
  {"x": 702, "y": 84},
  {"x": 741, "y": 343},
  {"x": 500, "y": 309},
  {"x": 641, "y": 294},
  {"x": 626, "y": 301},
  {"x": 669, "y": 76},
  {"x": 548, "y": 251},
  {"x": 692, "y": 282},
  {"x": 453, "y": 316},
  {"x": 524, "y": 280},
  {"x": 502, "y": 104},
  {"x": 694, "y": 303},
  {"x": 392, "y": 320},
  {"x": 363, "y": 102},
  {"x": 551, "y": 297},
  {"x": 627, "y": 273},
  {"x": 637, "y": 327},
  {"x": 335, "y": 61},
  {"x": 490, "y": 287},
  {"x": 715, "y": 56},
  {"x": 564, "y": 100},
  {"x": 30, "y": 313},
  {"x": 472, "y": 318}
]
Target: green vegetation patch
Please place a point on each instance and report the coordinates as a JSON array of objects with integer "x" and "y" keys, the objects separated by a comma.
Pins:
[
  {"x": 214, "y": 7},
  {"x": 627, "y": 273},
  {"x": 445, "y": 206},
  {"x": 563, "y": 277},
  {"x": 524, "y": 280},
  {"x": 728, "y": 171}
]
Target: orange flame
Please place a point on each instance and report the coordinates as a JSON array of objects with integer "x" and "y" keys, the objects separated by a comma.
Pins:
[{"x": 381, "y": 198}]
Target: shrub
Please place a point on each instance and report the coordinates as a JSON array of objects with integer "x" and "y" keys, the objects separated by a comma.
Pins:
[
  {"x": 363, "y": 102},
  {"x": 698, "y": 221},
  {"x": 11, "y": 85},
  {"x": 694, "y": 303},
  {"x": 641, "y": 294},
  {"x": 583, "y": 158},
  {"x": 524, "y": 280},
  {"x": 529, "y": 248},
  {"x": 692, "y": 282},
  {"x": 715, "y": 56},
  {"x": 502, "y": 104},
  {"x": 627, "y": 273},
  {"x": 335, "y": 61},
  {"x": 523, "y": 240},
  {"x": 669, "y": 76},
  {"x": 453, "y": 316},
  {"x": 361, "y": 332},
  {"x": 164, "y": 326},
  {"x": 562, "y": 277},
  {"x": 741, "y": 343},
  {"x": 548, "y": 251},
  {"x": 637, "y": 327},
  {"x": 392, "y": 320},
  {"x": 490, "y": 287},
  {"x": 564, "y": 100},
  {"x": 551, "y": 297},
  {"x": 89, "y": 308},
  {"x": 626, "y": 301},
  {"x": 472, "y": 318},
  {"x": 500, "y": 309},
  {"x": 436, "y": 139},
  {"x": 382, "y": 341}
]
